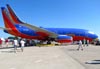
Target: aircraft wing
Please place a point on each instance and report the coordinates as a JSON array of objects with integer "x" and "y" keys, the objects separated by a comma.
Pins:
[
  {"x": 51, "y": 34},
  {"x": 2, "y": 28}
]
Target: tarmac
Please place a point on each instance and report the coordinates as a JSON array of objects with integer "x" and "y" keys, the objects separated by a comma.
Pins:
[
  {"x": 50, "y": 57},
  {"x": 89, "y": 57}
]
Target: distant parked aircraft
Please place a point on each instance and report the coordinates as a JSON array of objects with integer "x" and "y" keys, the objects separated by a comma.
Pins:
[{"x": 16, "y": 27}]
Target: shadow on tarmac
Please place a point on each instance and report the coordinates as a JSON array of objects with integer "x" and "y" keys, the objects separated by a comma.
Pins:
[
  {"x": 10, "y": 50},
  {"x": 6, "y": 47},
  {"x": 93, "y": 62}
]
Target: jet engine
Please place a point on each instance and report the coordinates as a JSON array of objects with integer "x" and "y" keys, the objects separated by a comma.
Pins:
[{"x": 64, "y": 39}]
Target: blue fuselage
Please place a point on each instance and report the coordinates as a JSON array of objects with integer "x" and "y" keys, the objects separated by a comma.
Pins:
[
  {"x": 59, "y": 31},
  {"x": 73, "y": 31}
]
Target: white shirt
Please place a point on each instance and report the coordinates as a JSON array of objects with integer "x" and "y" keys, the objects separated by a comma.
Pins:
[
  {"x": 15, "y": 42},
  {"x": 80, "y": 42},
  {"x": 22, "y": 43}
]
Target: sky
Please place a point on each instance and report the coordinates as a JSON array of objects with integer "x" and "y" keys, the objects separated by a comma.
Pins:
[{"x": 82, "y": 14}]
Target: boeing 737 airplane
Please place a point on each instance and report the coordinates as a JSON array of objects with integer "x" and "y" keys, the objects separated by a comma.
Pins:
[{"x": 16, "y": 27}]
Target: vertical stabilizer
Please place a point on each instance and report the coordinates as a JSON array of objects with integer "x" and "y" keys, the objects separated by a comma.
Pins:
[
  {"x": 13, "y": 15},
  {"x": 8, "y": 22}
]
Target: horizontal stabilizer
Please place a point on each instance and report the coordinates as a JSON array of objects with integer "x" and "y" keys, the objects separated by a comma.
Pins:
[{"x": 2, "y": 28}]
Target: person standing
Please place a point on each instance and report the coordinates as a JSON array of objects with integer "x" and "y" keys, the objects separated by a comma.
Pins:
[
  {"x": 0, "y": 43},
  {"x": 7, "y": 42},
  {"x": 22, "y": 45},
  {"x": 84, "y": 42},
  {"x": 80, "y": 45},
  {"x": 15, "y": 45},
  {"x": 87, "y": 42}
]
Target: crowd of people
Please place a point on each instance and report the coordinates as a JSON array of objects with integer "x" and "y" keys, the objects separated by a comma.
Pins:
[
  {"x": 23, "y": 42},
  {"x": 3, "y": 41},
  {"x": 15, "y": 43}
]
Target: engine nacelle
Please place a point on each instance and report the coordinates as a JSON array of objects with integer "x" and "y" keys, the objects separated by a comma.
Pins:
[{"x": 64, "y": 39}]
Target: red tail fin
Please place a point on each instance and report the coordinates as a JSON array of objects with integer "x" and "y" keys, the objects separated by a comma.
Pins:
[
  {"x": 10, "y": 28},
  {"x": 13, "y": 15},
  {"x": 8, "y": 22}
]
